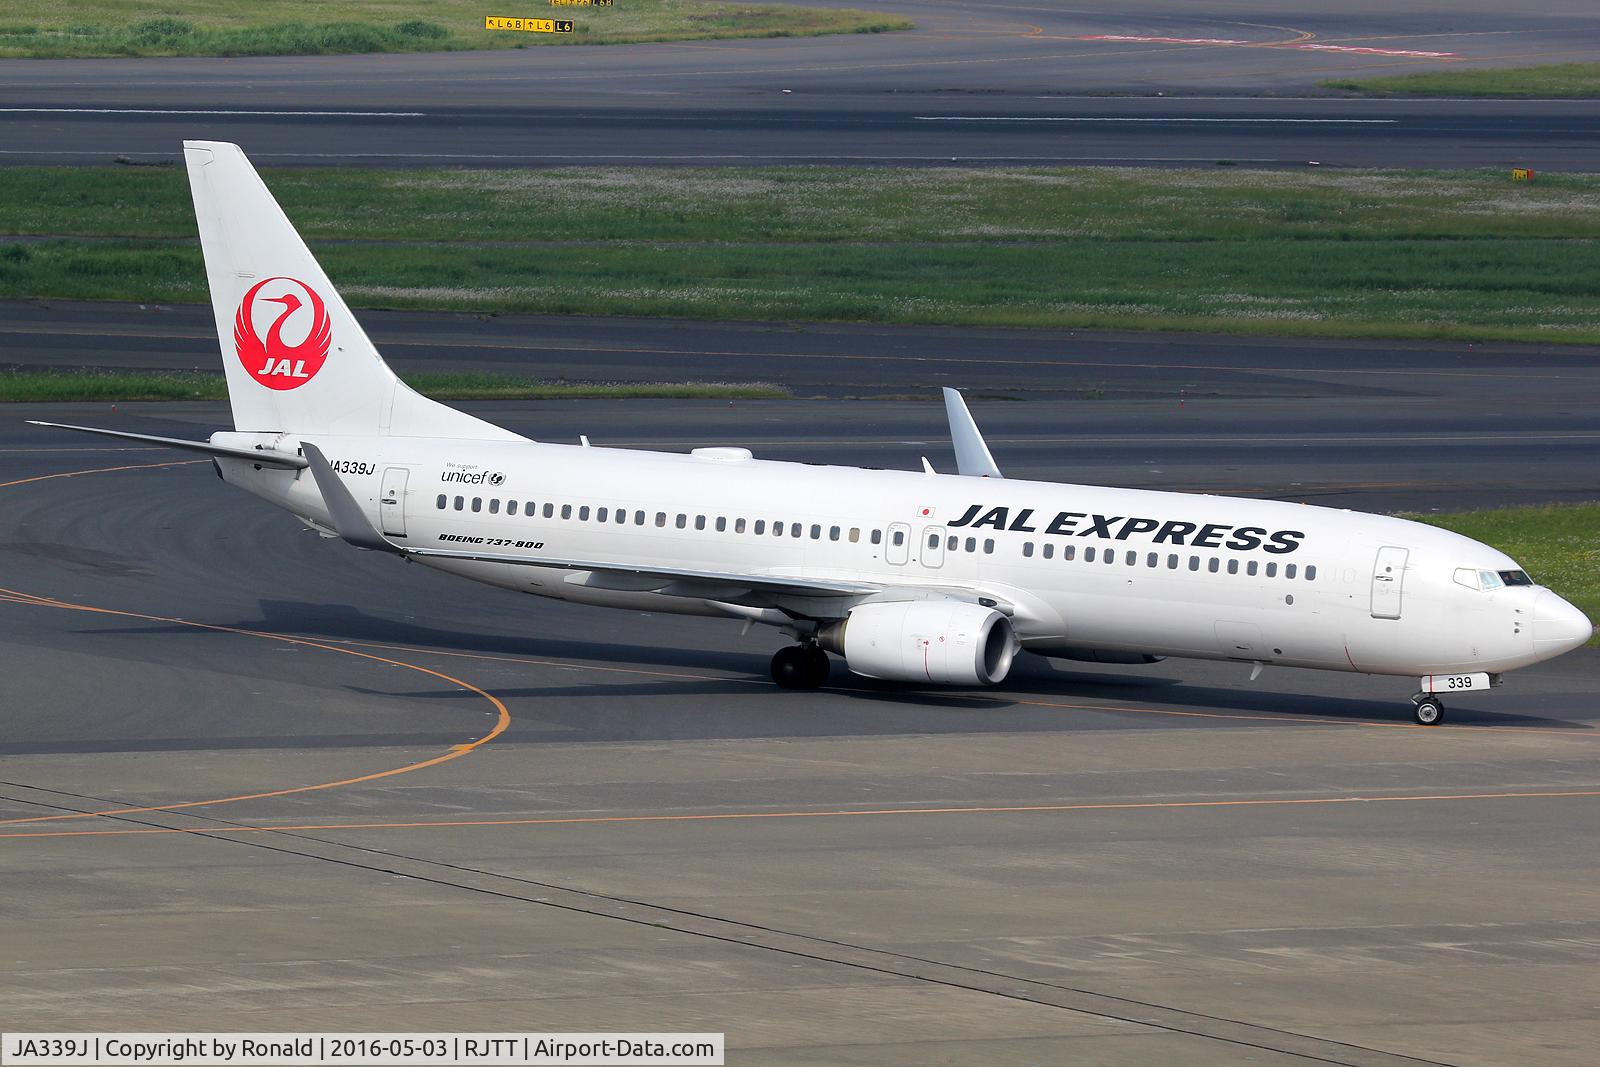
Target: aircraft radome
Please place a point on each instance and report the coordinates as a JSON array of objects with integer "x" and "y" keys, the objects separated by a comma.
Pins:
[{"x": 910, "y": 576}]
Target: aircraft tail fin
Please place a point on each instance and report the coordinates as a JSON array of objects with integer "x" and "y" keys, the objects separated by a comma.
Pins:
[{"x": 296, "y": 359}]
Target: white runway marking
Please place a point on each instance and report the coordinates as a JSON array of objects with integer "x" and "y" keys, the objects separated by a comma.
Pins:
[
  {"x": 1116, "y": 118},
  {"x": 199, "y": 111}
]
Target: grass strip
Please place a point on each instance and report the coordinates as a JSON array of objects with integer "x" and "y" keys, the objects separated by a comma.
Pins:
[
  {"x": 1512, "y": 291},
  {"x": 1466, "y": 255},
  {"x": 86, "y": 28},
  {"x": 47, "y": 387},
  {"x": 753, "y": 205},
  {"x": 1559, "y": 545},
  {"x": 1567, "y": 81}
]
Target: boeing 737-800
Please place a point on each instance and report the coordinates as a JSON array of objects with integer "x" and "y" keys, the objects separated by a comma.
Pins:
[{"x": 909, "y": 576}]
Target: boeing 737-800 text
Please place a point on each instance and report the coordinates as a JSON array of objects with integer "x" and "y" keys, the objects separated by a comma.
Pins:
[{"x": 907, "y": 575}]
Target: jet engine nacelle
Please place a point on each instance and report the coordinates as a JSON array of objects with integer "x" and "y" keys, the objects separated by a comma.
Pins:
[{"x": 945, "y": 641}]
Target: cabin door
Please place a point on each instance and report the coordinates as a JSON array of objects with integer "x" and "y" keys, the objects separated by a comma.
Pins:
[
  {"x": 1388, "y": 581},
  {"x": 898, "y": 550},
  {"x": 392, "y": 502}
]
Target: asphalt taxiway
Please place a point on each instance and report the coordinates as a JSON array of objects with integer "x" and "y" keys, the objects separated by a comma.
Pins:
[
  {"x": 1376, "y": 425},
  {"x": 347, "y": 793},
  {"x": 1149, "y": 82}
]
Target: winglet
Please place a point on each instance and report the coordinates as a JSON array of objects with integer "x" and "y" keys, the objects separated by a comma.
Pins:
[
  {"x": 347, "y": 516},
  {"x": 972, "y": 455}
]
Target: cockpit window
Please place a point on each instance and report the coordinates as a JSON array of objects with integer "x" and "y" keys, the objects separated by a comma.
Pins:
[{"x": 1489, "y": 581}]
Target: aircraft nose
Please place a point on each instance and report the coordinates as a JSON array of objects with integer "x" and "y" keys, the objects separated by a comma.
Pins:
[{"x": 1557, "y": 626}]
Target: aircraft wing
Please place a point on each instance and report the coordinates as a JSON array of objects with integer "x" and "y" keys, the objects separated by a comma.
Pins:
[{"x": 353, "y": 526}]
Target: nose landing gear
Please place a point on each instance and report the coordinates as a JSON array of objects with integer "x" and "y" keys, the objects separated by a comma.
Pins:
[
  {"x": 1429, "y": 710},
  {"x": 802, "y": 666}
]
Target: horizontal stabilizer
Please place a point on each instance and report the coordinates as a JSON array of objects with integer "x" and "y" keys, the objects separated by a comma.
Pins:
[
  {"x": 972, "y": 454},
  {"x": 348, "y": 518},
  {"x": 266, "y": 457}
]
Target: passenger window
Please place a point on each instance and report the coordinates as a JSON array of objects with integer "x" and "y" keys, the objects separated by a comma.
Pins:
[
  {"x": 1194, "y": 563},
  {"x": 443, "y": 500},
  {"x": 1068, "y": 551},
  {"x": 1311, "y": 572},
  {"x": 549, "y": 511},
  {"x": 833, "y": 533},
  {"x": 899, "y": 537},
  {"x": 1027, "y": 549},
  {"x": 511, "y": 507},
  {"x": 460, "y": 503},
  {"x": 722, "y": 524},
  {"x": 877, "y": 537},
  {"x": 494, "y": 505},
  {"x": 477, "y": 503},
  {"x": 855, "y": 534},
  {"x": 661, "y": 518},
  {"x": 1172, "y": 562},
  {"x": 1152, "y": 560},
  {"x": 1133, "y": 559},
  {"x": 816, "y": 532},
  {"x": 1250, "y": 568},
  {"x": 1289, "y": 569},
  {"x": 1049, "y": 550},
  {"x": 566, "y": 511},
  {"x": 952, "y": 542},
  {"x": 583, "y": 513},
  {"x": 761, "y": 526},
  {"x": 602, "y": 514},
  {"x": 622, "y": 516},
  {"x": 683, "y": 521},
  {"x": 1233, "y": 566},
  {"x": 988, "y": 546},
  {"x": 1088, "y": 554},
  {"x": 638, "y": 518},
  {"x": 933, "y": 541},
  {"x": 1213, "y": 565},
  {"x": 699, "y": 522},
  {"x": 529, "y": 509},
  {"x": 738, "y": 526},
  {"x": 794, "y": 529},
  {"x": 972, "y": 544},
  {"x": 1272, "y": 570}
]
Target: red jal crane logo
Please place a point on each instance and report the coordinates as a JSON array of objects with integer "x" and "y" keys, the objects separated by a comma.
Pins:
[{"x": 274, "y": 362}]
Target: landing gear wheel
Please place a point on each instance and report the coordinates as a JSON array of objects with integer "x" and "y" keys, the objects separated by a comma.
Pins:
[
  {"x": 816, "y": 666},
  {"x": 798, "y": 667},
  {"x": 1429, "y": 712}
]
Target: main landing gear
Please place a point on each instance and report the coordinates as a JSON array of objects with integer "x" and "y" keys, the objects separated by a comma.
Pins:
[
  {"x": 803, "y": 666},
  {"x": 1429, "y": 709}
]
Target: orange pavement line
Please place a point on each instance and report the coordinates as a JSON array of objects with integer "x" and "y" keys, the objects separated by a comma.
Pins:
[
  {"x": 502, "y": 723},
  {"x": 1163, "y": 805},
  {"x": 101, "y": 470}
]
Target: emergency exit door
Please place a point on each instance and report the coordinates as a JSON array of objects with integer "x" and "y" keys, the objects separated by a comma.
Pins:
[
  {"x": 392, "y": 502},
  {"x": 1388, "y": 582}
]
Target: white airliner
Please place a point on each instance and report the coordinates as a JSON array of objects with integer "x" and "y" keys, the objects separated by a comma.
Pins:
[{"x": 910, "y": 576}]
